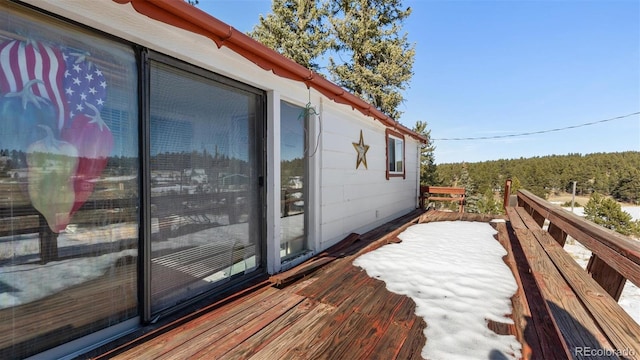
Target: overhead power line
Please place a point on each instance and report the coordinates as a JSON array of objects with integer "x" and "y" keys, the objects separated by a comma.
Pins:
[{"x": 537, "y": 132}]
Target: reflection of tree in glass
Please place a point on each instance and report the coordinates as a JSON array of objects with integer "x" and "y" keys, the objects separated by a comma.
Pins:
[{"x": 291, "y": 168}]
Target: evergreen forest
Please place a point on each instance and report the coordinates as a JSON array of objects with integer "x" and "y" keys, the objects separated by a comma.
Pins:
[{"x": 611, "y": 174}]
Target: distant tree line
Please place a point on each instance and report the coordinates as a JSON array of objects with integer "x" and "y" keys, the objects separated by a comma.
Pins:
[{"x": 611, "y": 174}]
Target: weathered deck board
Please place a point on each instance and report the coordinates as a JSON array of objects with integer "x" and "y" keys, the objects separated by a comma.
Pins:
[
  {"x": 312, "y": 317},
  {"x": 270, "y": 333},
  {"x": 522, "y": 313},
  {"x": 331, "y": 281},
  {"x": 415, "y": 340},
  {"x": 431, "y": 216},
  {"x": 624, "y": 333},
  {"x": 389, "y": 346},
  {"x": 336, "y": 295},
  {"x": 405, "y": 316},
  {"x": 352, "y": 338},
  {"x": 538, "y": 329},
  {"x": 293, "y": 344},
  {"x": 240, "y": 329},
  {"x": 623, "y": 252},
  {"x": 181, "y": 335},
  {"x": 315, "y": 263},
  {"x": 302, "y": 271},
  {"x": 571, "y": 319}
]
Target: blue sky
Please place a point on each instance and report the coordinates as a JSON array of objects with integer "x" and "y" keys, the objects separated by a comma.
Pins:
[{"x": 495, "y": 68}]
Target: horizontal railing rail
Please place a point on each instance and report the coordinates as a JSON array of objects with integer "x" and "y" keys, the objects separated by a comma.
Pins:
[
  {"x": 615, "y": 257},
  {"x": 456, "y": 194}
]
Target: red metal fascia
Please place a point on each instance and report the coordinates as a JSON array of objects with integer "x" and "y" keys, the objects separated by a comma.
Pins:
[{"x": 180, "y": 14}]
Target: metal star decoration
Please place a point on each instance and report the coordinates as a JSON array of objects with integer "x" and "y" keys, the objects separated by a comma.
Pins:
[{"x": 361, "y": 149}]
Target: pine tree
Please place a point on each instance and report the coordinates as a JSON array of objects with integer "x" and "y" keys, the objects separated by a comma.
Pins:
[
  {"x": 465, "y": 181},
  {"x": 628, "y": 187},
  {"x": 297, "y": 30},
  {"x": 428, "y": 171},
  {"x": 515, "y": 185},
  {"x": 607, "y": 212},
  {"x": 376, "y": 62},
  {"x": 381, "y": 60},
  {"x": 487, "y": 204}
]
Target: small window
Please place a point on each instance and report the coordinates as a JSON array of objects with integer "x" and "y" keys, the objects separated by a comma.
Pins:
[{"x": 395, "y": 154}]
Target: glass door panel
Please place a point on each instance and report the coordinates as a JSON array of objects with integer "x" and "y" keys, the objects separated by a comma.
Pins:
[
  {"x": 293, "y": 170},
  {"x": 205, "y": 195},
  {"x": 68, "y": 183}
]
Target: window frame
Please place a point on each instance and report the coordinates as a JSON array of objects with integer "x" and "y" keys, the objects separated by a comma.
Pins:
[
  {"x": 306, "y": 168},
  {"x": 259, "y": 127},
  {"x": 396, "y": 136}
]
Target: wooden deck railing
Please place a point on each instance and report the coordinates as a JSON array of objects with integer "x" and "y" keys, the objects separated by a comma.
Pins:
[
  {"x": 615, "y": 258},
  {"x": 582, "y": 304},
  {"x": 455, "y": 194}
]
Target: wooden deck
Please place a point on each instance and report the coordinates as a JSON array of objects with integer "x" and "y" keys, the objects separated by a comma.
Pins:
[{"x": 326, "y": 308}]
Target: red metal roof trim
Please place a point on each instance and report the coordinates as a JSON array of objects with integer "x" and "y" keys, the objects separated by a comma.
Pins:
[{"x": 180, "y": 14}]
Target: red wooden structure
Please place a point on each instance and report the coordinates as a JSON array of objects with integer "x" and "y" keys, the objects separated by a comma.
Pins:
[{"x": 455, "y": 194}]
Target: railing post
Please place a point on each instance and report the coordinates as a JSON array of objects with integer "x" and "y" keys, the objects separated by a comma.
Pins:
[
  {"x": 423, "y": 197},
  {"x": 610, "y": 280},
  {"x": 557, "y": 233},
  {"x": 507, "y": 193}
]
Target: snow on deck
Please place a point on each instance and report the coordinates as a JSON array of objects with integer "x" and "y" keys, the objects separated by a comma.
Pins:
[{"x": 454, "y": 272}]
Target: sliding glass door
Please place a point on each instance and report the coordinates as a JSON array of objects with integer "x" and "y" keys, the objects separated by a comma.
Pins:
[
  {"x": 68, "y": 182},
  {"x": 206, "y": 166}
]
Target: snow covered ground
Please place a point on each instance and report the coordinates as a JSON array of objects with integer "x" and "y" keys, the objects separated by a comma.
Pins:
[
  {"x": 455, "y": 274},
  {"x": 23, "y": 279},
  {"x": 634, "y": 211}
]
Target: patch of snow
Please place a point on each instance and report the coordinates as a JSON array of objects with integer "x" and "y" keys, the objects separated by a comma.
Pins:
[
  {"x": 578, "y": 252},
  {"x": 455, "y": 274},
  {"x": 634, "y": 211},
  {"x": 630, "y": 300}
]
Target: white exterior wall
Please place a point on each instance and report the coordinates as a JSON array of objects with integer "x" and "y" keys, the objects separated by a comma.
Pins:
[
  {"x": 343, "y": 199},
  {"x": 357, "y": 200}
]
